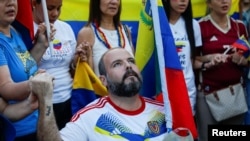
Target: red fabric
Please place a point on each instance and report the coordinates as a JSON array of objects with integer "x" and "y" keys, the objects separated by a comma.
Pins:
[
  {"x": 24, "y": 15},
  {"x": 214, "y": 41}
]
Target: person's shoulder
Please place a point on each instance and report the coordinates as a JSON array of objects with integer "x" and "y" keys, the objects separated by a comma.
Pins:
[
  {"x": 237, "y": 21},
  {"x": 204, "y": 19},
  {"x": 205, "y": 22},
  {"x": 62, "y": 23},
  {"x": 93, "y": 107},
  {"x": 195, "y": 22},
  {"x": 86, "y": 31},
  {"x": 13, "y": 31}
]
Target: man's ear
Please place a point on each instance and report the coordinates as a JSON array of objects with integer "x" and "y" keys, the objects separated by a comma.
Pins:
[{"x": 103, "y": 80}]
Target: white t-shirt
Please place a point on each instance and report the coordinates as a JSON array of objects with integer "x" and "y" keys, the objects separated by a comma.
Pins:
[
  {"x": 58, "y": 63},
  {"x": 184, "y": 52},
  {"x": 99, "y": 48},
  {"x": 102, "y": 120}
]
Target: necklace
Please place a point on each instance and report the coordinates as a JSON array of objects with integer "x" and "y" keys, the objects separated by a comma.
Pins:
[{"x": 102, "y": 38}]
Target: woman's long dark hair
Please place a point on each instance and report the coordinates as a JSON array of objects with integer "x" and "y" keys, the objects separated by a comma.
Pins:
[
  {"x": 188, "y": 17},
  {"x": 95, "y": 13}
]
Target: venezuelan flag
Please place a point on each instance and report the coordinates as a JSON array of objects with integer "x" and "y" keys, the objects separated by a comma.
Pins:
[
  {"x": 158, "y": 61},
  {"x": 86, "y": 87},
  {"x": 76, "y": 12},
  {"x": 24, "y": 22},
  {"x": 243, "y": 45}
]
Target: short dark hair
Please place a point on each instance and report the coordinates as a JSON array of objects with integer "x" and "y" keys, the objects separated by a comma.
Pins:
[
  {"x": 101, "y": 65},
  {"x": 95, "y": 13}
]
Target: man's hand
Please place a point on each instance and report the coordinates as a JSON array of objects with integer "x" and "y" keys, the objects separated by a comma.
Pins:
[
  {"x": 42, "y": 85},
  {"x": 32, "y": 102}
]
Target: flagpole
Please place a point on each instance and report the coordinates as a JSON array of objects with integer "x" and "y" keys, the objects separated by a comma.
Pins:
[
  {"x": 47, "y": 23},
  {"x": 160, "y": 51}
]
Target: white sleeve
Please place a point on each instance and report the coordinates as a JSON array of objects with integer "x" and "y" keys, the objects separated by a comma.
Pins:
[
  {"x": 197, "y": 33},
  {"x": 73, "y": 131},
  {"x": 70, "y": 33}
]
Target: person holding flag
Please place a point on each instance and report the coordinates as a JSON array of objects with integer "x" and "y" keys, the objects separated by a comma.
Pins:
[
  {"x": 187, "y": 36},
  {"x": 102, "y": 32},
  {"x": 17, "y": 65},
  {"x": 157, "y": 58},
  {"x": 122, "y": 115},
  {"x": 59, "y": 59},
  {"x": 220, "y": 59}
]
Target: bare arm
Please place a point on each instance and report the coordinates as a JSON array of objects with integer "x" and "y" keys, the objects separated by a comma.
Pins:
[
  {"x": 86, "y": 38},
  {"x": 37, "y": 51},
  {"x": 10, "y": 90},
  {"x": 19, "y": 110},
  {"x": 209, "y": 60},
  {"x": 47, "y": 129},
  {"x": 41, "y": 42}
]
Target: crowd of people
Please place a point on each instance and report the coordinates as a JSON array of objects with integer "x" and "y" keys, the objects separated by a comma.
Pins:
[
  {"x": 102, "y": 32},
  {"x": 36, "y": 84}
]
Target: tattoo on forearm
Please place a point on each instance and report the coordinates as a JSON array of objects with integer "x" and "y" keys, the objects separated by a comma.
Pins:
[{"x": 48, "y": 110}]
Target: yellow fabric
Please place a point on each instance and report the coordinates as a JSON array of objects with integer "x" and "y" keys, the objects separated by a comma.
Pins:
[
  {"x": 85, "y": 78},
  {"x": 145, "y": 39},
  {"x": 78, "y": 10}
]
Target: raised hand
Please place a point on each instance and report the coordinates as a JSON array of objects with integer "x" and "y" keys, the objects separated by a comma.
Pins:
[
  {"x": 83, "y": 51},
  {"x": 42, "y": 86},
  {"x": 41, "y": 35}
]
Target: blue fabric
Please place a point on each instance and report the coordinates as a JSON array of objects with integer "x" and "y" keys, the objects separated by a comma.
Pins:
[
  {"x": 82, "y": 97},
  {"x": 9, "y": 131},
  {"x": 13, "y": 53},
  {"x": 85, "y": 90}
]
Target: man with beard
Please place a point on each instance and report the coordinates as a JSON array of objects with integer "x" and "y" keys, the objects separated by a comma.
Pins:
[{"x": 122, "y": 115}]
